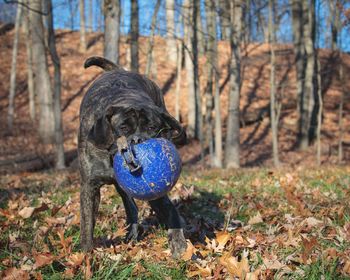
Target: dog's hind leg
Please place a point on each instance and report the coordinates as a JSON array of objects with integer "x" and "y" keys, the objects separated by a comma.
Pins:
[
  {"x": 168, "y": 215},
  {"x": 89, "y": 203},
  {"x": 131, "y": 214}
]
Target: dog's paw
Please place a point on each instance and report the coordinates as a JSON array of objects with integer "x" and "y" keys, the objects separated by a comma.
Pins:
[
  {"x": 177, "y": 242},
  {"x": 133, "y": 233}
]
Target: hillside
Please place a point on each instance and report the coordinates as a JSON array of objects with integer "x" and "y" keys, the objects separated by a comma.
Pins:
[{"x": 255, "y": 137}]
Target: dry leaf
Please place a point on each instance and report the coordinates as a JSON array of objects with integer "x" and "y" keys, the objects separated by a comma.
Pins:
[
  {"x": 346, "y": 268},
  {"x": 43, "y": 260},
  {"x": 14, "y": 273},
  {"x": 257, "y": 219},
  {"x": 222, "y": 238},
  {"x": 189, "y": 251},
  {"x": 235, "y": 267},
  {"x": 200, "y": 271},
  {"x": 75, "y": 259},
  {"x": 26, "y": 212}
]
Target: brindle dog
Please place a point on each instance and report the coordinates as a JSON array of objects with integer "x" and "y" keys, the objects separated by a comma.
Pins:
[{"x": 121, "y": 103}]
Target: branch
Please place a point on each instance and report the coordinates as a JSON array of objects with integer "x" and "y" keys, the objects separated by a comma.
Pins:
[{"x": 27, "y": 6}]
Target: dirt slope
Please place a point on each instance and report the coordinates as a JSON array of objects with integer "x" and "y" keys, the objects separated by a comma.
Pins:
[{"x": 255, "y": 138}]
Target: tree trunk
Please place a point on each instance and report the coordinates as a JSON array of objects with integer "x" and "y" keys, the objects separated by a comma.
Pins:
[
  {"x": 273, "y": 99},
  {"x": 341, "y": 113},
  {"x": 82, "y": 45},
  {"x": 320, "y": 111},
  {"x": 170, "y": 30},
  {"x": 224, "y": 13},
  {"x": 12, "y": 94},
  {"x": 151, "y": 39},
  {"x": 232, "y": 136},
  {"x": 91, "y": 16},
  {"x": 111, "y": 12},
  {"x": 29, "y": 61},
  {"x": 213, "y": 91},
  {"x": 198, "y": 98},
  {"x": 59, "y": 140},
  {"x": 191, "y": 122},
  {"x": 134, "y": 27},
  {"x": 42, "y": 83},
  {"x": 310, "y": 93},
  {"x": 178, "y": 80},
  {"x": 209, "y": 96}
]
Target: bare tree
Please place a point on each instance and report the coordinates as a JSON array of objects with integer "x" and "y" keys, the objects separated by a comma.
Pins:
[
  {"x": 178, "y": 79},
  {"x": 212, "y": 90},
  {"x": 303, "y": 15},
  {"x": 83, "y": 44},
  {"x": 59, "y": 140},
  {"x": 151, "y": 38},
  {"x": 91, "y": 16},
  {"x": 29, "y": 61},
  {"x": 134, "y": 36},
  {"x": 224, "y": 13},
  {"x": 273, "y": 99},
  {"x": 191, "y": 122},
  {"x": 232, "y": 136},
  {"x": 170, "y": 30},
  {"x": 10, "y": 114},
  {"x": 111, "y": 10},
  {"x": 42, "y": 83}
]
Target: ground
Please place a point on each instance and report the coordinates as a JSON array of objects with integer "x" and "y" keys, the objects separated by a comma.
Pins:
[
  {"x": 254, "y": 223},
  {"x": 247, "y": 224}
]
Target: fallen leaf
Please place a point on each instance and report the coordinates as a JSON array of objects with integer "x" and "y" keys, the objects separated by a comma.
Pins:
[
  {"x": 235, "y": 267},
  {"x": 26, "y": 212},
  {"x": 257, "y": 219},
  {"x": 14, "y": 273},
  {"x": 222, "y": 238},
  {"x": 200, "y": 271},
  {"x": 346, "y": 268},
  {"x": 189, "y": 251},
  {"x": 75, "y": 259},
  {"x": 43, "y": 260}
]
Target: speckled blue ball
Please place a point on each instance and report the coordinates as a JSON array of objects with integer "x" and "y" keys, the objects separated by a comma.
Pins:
[{"x": 160, "y": 169}]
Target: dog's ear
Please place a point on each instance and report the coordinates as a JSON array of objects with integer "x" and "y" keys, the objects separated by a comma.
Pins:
[
  {"x": 178, "y": 137},
  {"x": 101, "y": 134}
]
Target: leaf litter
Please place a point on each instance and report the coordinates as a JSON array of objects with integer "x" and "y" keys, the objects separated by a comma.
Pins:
[{"x": 254, "y": 225}]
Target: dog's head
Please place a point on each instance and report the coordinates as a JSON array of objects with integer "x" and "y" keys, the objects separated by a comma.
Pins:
[{"x": 136, "y": 123}]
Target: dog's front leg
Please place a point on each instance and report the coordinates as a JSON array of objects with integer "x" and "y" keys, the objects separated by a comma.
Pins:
[
  {"x": 169, "y": 216},
  {"x": 89, "y": 203},
  {"x": 131, "y": 214}
]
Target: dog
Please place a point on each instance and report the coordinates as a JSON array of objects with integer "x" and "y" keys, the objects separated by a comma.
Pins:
[{"x": 122, "y": 104}]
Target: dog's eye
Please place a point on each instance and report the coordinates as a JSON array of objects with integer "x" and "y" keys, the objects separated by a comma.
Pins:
[
  {"x": 124, "y": 128},
  {"x": 151, "y": 128}
]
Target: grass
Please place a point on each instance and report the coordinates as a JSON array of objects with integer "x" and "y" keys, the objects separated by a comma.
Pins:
[{"x": 219, "y": 196}]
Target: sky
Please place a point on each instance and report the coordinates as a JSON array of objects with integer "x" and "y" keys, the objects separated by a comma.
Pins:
[{"x": 63, "y": 9}]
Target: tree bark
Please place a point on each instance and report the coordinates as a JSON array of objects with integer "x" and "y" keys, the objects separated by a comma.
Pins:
[
  {"x": 83, "y": 44},
  {"x": 111, "y": 12},
  {"x": 191, "y": 121},
  {"x": 134, "y": 36},
  {"x": 273, "y": 99},
  {"x": 209, "y": 96},
  {"x": 42, "y": 83},
  {"x": 224, "y": 15},
  {"x": 178, "y": 80},
  {"x": 170, "y": 30},
  {"x": 10, "y": 114},
  {"x": 151, "y": 39},
  {"x": 232, "y": 136},
  {"x": 59, "y": 139},
  {"x": 91, "y": 16},
  {"x": 29, "y": 61}
]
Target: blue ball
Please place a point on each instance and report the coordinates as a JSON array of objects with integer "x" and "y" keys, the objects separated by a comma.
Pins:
[{"x": 157, "y": 169}]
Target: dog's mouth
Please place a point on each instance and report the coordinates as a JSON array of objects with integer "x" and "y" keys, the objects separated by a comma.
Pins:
[{"x": 125, "y": 148}]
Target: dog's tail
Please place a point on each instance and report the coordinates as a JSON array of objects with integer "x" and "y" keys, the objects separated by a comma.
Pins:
[{"x": 101, "y": 62}]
